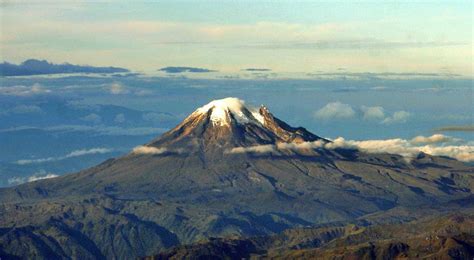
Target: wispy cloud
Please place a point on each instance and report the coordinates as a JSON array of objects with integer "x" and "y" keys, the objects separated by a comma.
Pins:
[
  {"x": 256, "y": 69},
  {"x": 34, "y": 89},
  {"x": 72, "y": 154},
  {"x": 352, "y": 44},
  {"x": 98, "y": 129},
  {"x": 92, "y": 118},
  {"x": 185, "y": 69},
  {"x": 23, "y": 109},
  {"x": 41, "y": 175},
  {"x": 456, "y": 128},
  {"x": 117, "y": 88}
]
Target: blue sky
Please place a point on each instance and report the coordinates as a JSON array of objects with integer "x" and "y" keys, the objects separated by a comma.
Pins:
[{"x": 285, "y": 36}]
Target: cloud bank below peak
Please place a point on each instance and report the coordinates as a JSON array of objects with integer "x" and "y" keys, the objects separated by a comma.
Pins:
[{"x": 436, "y": 145}]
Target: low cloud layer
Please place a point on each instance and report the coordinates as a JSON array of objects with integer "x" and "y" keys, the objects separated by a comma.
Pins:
[
  {"x": 436, "y": 145},
  {"x": 34, "y": 89},
  {"x": 185, "y": 69},
  {"x": 43, "y": 67},
  {"x": 381, "y": 75},
  {"x": 75, "y": 153}
]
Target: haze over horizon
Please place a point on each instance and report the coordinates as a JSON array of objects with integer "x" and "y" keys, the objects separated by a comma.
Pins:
[{"x": 292, "y": 39}]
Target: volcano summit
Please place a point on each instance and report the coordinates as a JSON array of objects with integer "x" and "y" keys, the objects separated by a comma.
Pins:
[{"x": 226, "y": 170}]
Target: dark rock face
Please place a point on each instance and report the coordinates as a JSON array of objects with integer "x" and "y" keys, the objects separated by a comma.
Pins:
[{"x": 226, "y": 170}]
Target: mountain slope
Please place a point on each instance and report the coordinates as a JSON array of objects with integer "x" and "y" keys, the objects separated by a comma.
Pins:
[{"x": 225, "y": 170}]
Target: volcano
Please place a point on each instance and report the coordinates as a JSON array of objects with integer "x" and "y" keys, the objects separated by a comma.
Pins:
[{"x": 227, "y": 170}]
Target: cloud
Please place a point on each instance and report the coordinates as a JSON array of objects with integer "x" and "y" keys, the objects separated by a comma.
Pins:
[
  {"x": 37, "y": 178},
  {"x": 185, "y": 69},
  {"x": 23, "y": 90},
  {"x": 403, "y": 147},
  {"x": 253, "y": 149},
  {"x": 75, "y": 153},
  {"x": 119, "y": 118},
  {"x": 256, "y": 69},
  {"x": 118, "y": 89},
  {"x": 338, "y": 110},
  {"x": 397, "y": 117},
  {"x": 99, "y": 129},
  {"x": 148, "y": 150},
  {"x": 456, "y": 128},
  {"x": 373, "y": 113},
  {"x": 408, "y": 149},
  {"x": 23, "y": 109},
  {"x": 143, "y": 92},
  {"x": 42, "y": 67},
  {"x": 381, "y": 75},
  {"x": 158, "y": 117},
  {"x": 26, "y": 109},
  {"x": 92, "y": 118},
  {"x": 41, "y": 175},
  {"x": 351, "y": 44},
  {"x": 335, "y": 110},
  {"x": 436, "y": 138}
]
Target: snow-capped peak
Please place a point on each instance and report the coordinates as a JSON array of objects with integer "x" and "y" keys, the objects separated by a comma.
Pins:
[{"x": 223, "y": 108}]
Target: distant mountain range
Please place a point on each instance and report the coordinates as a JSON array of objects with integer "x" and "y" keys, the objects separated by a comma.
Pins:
[
  {"x": 41, "y": 67},
  {"x": 234, "y": 172}
]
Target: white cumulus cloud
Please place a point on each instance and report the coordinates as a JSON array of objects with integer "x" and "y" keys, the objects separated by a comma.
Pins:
[
  {"x": 335, "y": 110},
  {"x": 397, "y": 117},
  {"x": 372, "y": 113}
]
